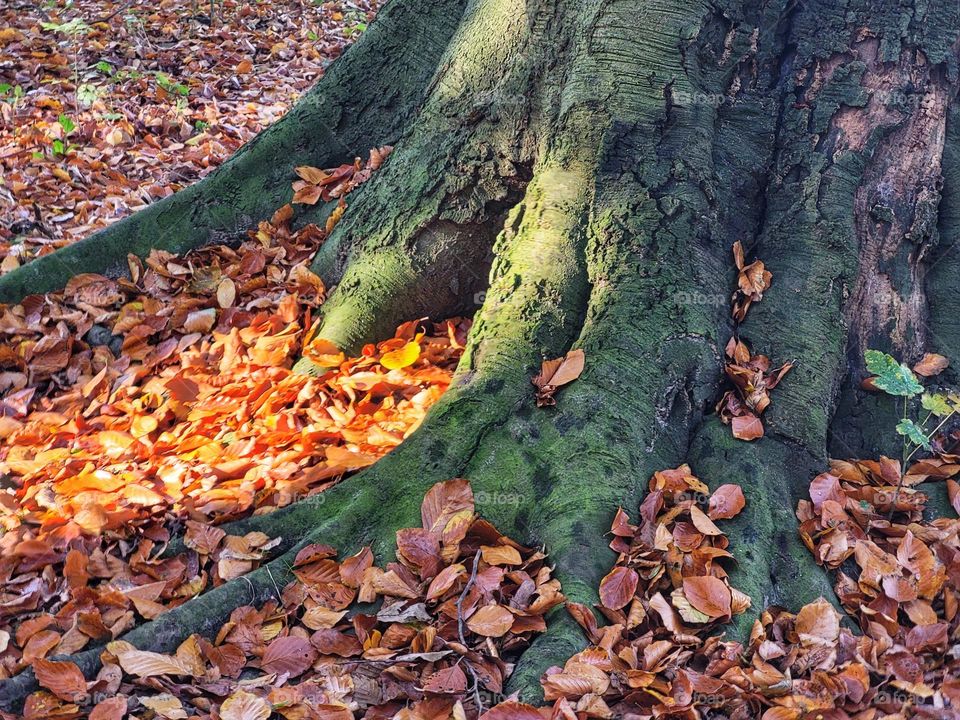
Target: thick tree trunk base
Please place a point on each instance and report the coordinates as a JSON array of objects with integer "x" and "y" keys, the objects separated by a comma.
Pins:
[{"x": 597, "y": 170}]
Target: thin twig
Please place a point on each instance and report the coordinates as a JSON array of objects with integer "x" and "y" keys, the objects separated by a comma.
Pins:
[
  {"x": 473, "y": 673},
  {"x": 463, "y": 596},
  {"x": 111, "y": 16}
]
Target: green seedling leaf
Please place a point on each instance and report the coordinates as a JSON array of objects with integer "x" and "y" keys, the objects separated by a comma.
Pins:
[
  {"x": 892, "y": 377},
  {"x": 914, "y": 433},
  {"x": 936, "y": 404},
  {"x": 67, "y": 124}
]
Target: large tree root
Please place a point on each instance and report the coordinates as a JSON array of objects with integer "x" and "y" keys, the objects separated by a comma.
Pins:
[{"x": 617, "y": 198}]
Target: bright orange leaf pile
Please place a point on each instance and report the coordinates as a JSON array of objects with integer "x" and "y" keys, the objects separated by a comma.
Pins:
[
  {"x": 130, "y": 406},
  {"x": 461, "y": 600},
  {"x": 157, "y": 95}
]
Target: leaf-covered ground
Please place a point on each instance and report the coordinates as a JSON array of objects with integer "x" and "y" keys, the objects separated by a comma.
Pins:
[
  {"x": 106, "y": 107},
  {"x": 135, "y": 410}
]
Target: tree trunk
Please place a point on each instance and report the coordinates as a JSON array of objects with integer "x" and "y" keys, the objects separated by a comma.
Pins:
[{"x": 577, "y": 173}]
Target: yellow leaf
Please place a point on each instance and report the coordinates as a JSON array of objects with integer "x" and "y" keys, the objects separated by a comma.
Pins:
[
  {"x": 165, "y": 706},
  {"x": 142, "y": 425},
  {"x": 245, "y": 706},
  {"x": 404, "y": 357},
  {"x": 312, "y": 175},
  {"x": 146, "y": 664}
]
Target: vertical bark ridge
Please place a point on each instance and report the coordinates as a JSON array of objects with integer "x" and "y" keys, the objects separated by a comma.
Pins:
[
  {"x": 813, "y": 235},
  {"x": 805, "y": 241},
  {"x": 451, "y": 182},
  {"x": 657, "y": 252},
  {"x": 943, "y": 278}
]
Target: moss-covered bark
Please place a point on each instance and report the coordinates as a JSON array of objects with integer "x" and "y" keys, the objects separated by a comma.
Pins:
[{"x": 580, "y": 171}]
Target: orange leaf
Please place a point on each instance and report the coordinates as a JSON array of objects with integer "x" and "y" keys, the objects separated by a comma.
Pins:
[
  {"x": 114, "y": 708},
  {"x": 708, "y": 594},
  {"x": 491, "y": 621},
  {"x": 554, "y": 373},
  {"x": 931, "y": 364},
  {"x": 63, "y": 679},
  {"x": 312, "y": 175},
  {"x": 726, "y": 502},
  {"x": 448, "y": 681},
  {"x": 747, "y": 427},
  {"x": 702, "y": 523},
  {"x": 512, "y": 710},
  {"x": 290, "y": 655},
  {"x": 447, "y": 510},
  {"x": 618, "y": 587}
]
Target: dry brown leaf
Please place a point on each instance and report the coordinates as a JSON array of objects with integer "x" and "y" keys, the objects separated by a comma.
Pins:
[
  {"x": 242, "y": 705},
  {"x": 63, "y": 679},
  {"x": 491, "y": 621}
]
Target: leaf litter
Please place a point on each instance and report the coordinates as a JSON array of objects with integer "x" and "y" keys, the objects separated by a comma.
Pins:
[
  {"x": 749, "y": 376},
  {"x": 106, "y": 108},
  {"x": 138, "y": 408},
  {"x": 429, "y": 636}
]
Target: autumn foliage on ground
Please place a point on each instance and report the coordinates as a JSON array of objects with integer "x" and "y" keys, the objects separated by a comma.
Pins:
[
  {"x": 461, "y": 600},
  {"x": 135, "y": 411},
  {"x": 107, "y": 107},
  {"x": 167, "y": 403}
]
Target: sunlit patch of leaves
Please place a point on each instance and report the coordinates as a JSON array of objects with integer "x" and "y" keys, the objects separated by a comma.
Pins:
[{"x": 133, "y": 407}]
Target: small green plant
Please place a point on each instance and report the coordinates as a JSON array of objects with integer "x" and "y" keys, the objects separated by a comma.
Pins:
[
  {"x": 12, "y": 95},
  {"x": 88, "y": 94},
  {"x": 61, "y": 147},
  {"x": 355, "y": 22},
  {"x": 72, "y": 29},
  {"x": 919, "y": 422},
  {"x": 171, "y": 86}
]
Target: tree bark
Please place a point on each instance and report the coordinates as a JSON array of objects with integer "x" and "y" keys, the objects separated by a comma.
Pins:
[{"x": 577, "y": 173}]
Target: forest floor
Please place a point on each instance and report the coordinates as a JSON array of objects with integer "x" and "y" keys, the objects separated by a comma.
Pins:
[
  {"x": 135, "y": 411},
  {"x": 106, "y": 107}
]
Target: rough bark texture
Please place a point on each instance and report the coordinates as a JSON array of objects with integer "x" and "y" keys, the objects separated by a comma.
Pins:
[{"x": 587, "y": 167}]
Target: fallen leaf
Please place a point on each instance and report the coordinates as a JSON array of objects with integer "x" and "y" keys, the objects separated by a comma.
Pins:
[
  {"x": 63, "y": 679},
  {"x": 618, "y": 587}
]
